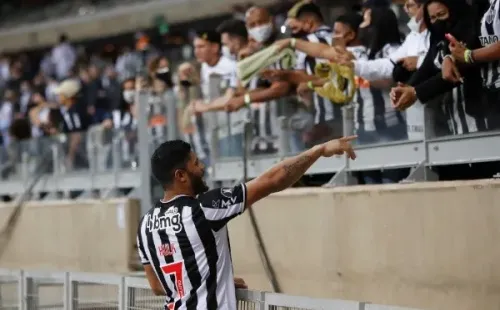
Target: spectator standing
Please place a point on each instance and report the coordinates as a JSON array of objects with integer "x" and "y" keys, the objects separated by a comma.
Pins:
[
  {"x": 98, "y": 102},
  {"x": 327, "y": 116},
  {"x": 6, "y": 117},
  {"x": 63, "y": 57},
  {"x": 207, "y": 46}
]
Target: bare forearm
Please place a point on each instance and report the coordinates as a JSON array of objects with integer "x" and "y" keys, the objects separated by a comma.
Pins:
[
  {"x": 382, "y": 83},
  {"x": 296, "y": 77},
  {"x": 488, "y": 53},
  {"x": 276, "y": 91},
  {"x": 316, "y": 50},
  {"x": 218, "y": 104},
  {"x": 289, "y": 171}
]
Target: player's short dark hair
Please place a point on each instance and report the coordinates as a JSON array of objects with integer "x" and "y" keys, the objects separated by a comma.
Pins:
[
  {"x": 310, "y": 9},
  {"x": 168, "y": 157},
  {"x": 234, "y": 27},
  {"x": 353, "y": 20}
]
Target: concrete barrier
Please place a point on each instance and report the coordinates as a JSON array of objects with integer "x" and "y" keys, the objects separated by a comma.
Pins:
[
  {"x": 91, "y": 236},
  {"x": 429, "y": 245}
]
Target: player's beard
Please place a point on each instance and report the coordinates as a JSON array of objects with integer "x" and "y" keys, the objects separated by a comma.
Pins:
[{"x": 197, "y": 183}]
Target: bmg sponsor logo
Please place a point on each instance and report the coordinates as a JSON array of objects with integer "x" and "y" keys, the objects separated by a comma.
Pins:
[{"x": 168, "y": 221}]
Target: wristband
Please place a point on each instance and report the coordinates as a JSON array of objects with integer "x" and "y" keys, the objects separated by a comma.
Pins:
[
  {"x": 293, "y": 42},
  {"x": 247, "y": 100},
  {"x": 310, "y": 85},
  {"x": 468, "y": 57}
]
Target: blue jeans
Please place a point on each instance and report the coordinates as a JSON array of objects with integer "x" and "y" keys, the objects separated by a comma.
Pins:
[{"x": 231, "y": 146}]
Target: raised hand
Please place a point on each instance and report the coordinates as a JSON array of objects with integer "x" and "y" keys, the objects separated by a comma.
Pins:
[{"x": 339, "y": 147}]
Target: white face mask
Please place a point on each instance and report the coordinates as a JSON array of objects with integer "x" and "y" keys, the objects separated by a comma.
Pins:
[
  {"x": 414, "y": 25},
  {"x": 261, "y": 33},
  {"x": 129, "y": 95},
  {"x": 227, "y": 53}
]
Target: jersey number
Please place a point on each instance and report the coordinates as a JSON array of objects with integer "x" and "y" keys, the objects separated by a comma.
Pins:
[{"x": 177, "y": 270}]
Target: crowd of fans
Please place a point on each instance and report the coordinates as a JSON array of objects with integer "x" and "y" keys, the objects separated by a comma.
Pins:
[{"x": 447, "y": 63}]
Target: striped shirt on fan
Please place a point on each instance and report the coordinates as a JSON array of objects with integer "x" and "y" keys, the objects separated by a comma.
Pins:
[
  {"x": 490, "y": 33},
  {"x": 325, "y": 110},
  {"x": 186, "y": 242},
  {"x": 373, "y": 108}
]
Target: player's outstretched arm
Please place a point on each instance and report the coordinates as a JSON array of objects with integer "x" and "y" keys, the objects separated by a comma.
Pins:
[{"x": 288, "y": 172}]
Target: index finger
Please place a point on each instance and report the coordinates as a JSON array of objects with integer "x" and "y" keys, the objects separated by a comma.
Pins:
[{"x": 349, "y": 138}]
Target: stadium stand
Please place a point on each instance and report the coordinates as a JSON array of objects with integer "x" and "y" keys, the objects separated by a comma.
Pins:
[{"x": 82, "y": 109}]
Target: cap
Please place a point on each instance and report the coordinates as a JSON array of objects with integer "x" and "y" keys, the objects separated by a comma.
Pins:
[
  {"x": 209, "y": 35},
  {"x": 68, "y": 88},
  {"x": 376, "y": 3}
]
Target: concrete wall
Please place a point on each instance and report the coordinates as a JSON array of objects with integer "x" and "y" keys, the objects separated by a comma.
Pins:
[
  {"x": 430, "y": 246},
  {"x": 93, "y": 236}
]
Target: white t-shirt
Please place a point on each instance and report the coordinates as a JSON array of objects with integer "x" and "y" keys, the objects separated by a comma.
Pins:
[{"x": 227, "y": 124}]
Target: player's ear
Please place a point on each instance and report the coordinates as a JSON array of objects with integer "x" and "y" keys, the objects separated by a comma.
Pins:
[{"x": 180, "y": 175}]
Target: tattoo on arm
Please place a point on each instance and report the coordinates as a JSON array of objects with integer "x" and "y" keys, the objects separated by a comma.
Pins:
[{"x": 297, "y": 168}]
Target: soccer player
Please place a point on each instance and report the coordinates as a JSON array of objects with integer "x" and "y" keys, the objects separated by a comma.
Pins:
[{"x": 183, "y": 240}]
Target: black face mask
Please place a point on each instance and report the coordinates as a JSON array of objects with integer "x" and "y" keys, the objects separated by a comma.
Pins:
[
  {"x": 442, "y": 27},
  {"x": 366, "y": 35},
  {"x": 186, "y": 83},
  {"x": 165, "y": 77}
]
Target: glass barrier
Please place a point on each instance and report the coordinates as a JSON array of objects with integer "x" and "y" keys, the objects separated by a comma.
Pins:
[{"x": 453, "y": 114}]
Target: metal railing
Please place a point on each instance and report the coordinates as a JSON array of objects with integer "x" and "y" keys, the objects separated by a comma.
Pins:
[{"x": 33, "y": 290}]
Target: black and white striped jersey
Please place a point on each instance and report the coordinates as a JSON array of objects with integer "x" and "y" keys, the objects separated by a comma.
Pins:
[
  {"x": 186, "y": 242},
  {"x": 459, "y": 122},
  {"x": 264, "y": 115},
  {"x": 373, "y": 108},
  {"x": 75, "y": 118},
  {"x": 490, "y": 33},
  {"x": 324, "y": 109}
]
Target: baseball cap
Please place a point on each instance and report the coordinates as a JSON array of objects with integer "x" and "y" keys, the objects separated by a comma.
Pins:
[
  {"x": 68, "y": 88},
  {"x": 209, "y": 35}
]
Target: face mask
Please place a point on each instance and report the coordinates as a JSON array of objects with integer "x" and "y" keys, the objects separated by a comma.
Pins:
[
  {"x": 441, "y": 27},
  {"x": 129, "y": 95},
  {"x": 261, "y": 33},
  {"x": 414, "y": 25},
  {"x": 186, "y": 83},
  {"x": 227, "y": 53},
  {"x": 164, "y": 75}
]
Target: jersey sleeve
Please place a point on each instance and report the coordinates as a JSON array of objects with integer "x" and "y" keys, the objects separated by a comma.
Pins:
[{"x": 223, "y": 204}]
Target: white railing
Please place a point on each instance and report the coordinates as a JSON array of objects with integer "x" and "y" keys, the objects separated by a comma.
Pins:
[{"x": 33, "y": 290}]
